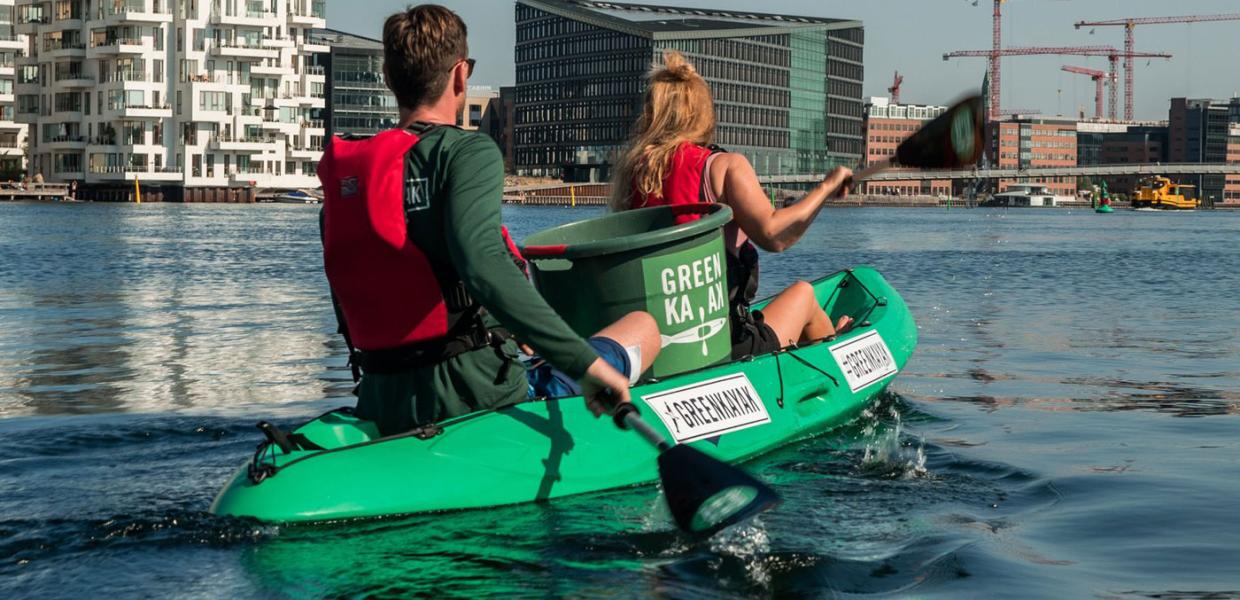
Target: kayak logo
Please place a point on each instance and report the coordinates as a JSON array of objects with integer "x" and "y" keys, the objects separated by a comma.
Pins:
[
  {"x": 865, "y": 360},
  {"x": 698, "y": 334},
  {"x": 416, "y": 197},
  {"x": 686, "y": 293},
  {"x": 709, "y": 408},
  {"x": 348, "y": 187}
]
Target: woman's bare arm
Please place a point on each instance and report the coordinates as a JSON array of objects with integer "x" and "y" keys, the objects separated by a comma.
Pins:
[{"x": 736, "y": 184}]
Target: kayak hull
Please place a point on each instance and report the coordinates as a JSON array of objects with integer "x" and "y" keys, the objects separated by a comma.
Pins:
[{"x": 543, "y": 449}]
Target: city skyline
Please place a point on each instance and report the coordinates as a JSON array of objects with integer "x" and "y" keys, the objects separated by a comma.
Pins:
[{"x": 1199, "y": 68}]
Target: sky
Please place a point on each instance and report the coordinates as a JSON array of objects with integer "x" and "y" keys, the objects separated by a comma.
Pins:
[{"x": 912, "y": 35}]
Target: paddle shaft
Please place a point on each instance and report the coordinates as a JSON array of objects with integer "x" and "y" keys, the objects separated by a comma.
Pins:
[{"x": 634, "y": 421}]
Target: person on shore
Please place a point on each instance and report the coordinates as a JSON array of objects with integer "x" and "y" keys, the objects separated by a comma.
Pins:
[
  {"x": 38, "y": 178},
  {"x": 670, "y": 160},
  {"x": 425, "y": 284}
]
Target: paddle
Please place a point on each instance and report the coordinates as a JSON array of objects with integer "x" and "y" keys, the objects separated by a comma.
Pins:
[
  {"x": 704, "y": 494},
  {"x": 952, "y": 140}
]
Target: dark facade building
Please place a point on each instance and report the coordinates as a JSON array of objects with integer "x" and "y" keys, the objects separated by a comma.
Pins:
[
  {"x": 358, "y": 101},
  {"x": 787, "y": 89},
  {"x": 1119, "y": 144},
  {"x": 1200, "y": 131}
]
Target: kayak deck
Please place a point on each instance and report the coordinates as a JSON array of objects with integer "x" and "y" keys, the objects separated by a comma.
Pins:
[{"x": 548, "y": 448}]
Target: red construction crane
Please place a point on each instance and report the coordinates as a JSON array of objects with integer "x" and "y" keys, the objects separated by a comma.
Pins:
[
  {"x": 1099, "y": 77},
  {"x": 894, "y": 90},
  {"x": 1129, "y": 25},
  {"x": 1110, "y": 52}
]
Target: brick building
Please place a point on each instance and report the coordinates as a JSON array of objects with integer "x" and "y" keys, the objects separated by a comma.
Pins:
[
  {"x": 885, "y": 126},
  {"x": 1039, "y": 142}
]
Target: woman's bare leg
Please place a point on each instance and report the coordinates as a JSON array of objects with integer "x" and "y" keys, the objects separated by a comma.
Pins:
[
  {"x": 636, "y": 329},
  {"x": 796, "y": 316}
]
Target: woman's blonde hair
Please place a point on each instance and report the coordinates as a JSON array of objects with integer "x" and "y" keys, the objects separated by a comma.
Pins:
[{"x": 677, "y": 109}]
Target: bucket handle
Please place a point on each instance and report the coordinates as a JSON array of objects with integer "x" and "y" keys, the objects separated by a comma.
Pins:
[{"x": 545, "y": 251}]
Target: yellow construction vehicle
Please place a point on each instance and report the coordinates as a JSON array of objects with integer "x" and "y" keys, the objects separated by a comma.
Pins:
[{"x": 1160, "y": 192}]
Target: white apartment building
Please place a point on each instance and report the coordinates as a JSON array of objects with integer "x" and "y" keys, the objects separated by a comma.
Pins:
[
  {"x": 12, "y": 133},
  {"x": 193, "y": 93}
]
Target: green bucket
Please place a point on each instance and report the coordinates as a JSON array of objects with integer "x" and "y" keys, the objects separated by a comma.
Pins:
[{"x": 595, "y": 271}]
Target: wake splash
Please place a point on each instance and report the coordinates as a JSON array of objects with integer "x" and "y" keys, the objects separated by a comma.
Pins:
[{"x": 886, "y": 451}]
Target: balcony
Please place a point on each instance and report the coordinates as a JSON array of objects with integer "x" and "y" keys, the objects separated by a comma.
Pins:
[
  {"x": 133, "y": 11},
  {"x": 64, "y": 142},
  {"x": 53, "y": 49},
  {"x": 305, "y": 152},
  {"x": 309, "y": 47},
  {"x": 268, "y": 70},
  {"x": 135, "y": 172},
  {"x": 308, "y": 13},
  {"x": 252, "y": 18},
  {"x": 278, "y": 42},
  {"x": 256, "y": 145},
  {"x": 116, "y": 46},
  {"x": 126, "y": 77},
  {"x": 31, "y": 26},
  {"x": 139, "y": 112},
  {"x": 11, "y": 42},
  {"x": 243, "y": 50},
  {"x": 74, "y": 79}
]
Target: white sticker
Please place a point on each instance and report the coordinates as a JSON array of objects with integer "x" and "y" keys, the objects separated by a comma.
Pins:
[
  {"x": 865, "y": 360},
  {"x": 709, "y": 408}
]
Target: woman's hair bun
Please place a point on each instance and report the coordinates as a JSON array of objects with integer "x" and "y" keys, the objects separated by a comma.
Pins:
[{"x": 675, "y": 67}]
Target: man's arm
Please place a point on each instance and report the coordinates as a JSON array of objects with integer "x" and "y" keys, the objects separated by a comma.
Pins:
[{"x": 471, "y": 199}]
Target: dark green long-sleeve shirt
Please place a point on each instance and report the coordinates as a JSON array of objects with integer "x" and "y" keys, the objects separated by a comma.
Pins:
[{"x": 464, "y": 182}]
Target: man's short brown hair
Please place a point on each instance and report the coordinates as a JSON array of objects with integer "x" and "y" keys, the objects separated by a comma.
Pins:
[{"x": 420, "y": 47}]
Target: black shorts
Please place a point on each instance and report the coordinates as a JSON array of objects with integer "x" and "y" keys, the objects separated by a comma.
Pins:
[{"x": 752, "y": 337}]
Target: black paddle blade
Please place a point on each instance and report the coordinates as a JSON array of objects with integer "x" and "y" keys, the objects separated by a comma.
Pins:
[
  {"x": 706, "y": 494},
  {"x": 953, "y": 140}
]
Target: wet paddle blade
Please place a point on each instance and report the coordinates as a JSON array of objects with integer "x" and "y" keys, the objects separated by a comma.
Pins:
[
  {"x": 953, "y": 140},
  {"x": 706, "y": 494}
]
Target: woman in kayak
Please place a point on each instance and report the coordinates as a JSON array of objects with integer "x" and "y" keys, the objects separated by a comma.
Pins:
[{"x": 670, "y": 160}]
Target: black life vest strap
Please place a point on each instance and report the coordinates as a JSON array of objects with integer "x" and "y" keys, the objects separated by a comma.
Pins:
[{"x": 428, "y": 353}]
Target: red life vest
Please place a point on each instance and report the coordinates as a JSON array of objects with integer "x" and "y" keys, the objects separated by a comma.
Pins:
[
  {"x": 683, "y": 182},
  {"x": 390, "y": 293},
  {"x": 385, "y": 285}
]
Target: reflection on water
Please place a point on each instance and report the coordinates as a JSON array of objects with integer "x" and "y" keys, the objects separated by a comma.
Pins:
[
  {"x": 153, "y": 308},
  {"x": 1029, "y": 449}
]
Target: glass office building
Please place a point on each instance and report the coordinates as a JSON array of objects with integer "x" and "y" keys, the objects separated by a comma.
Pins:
[
  {"x": 787, "y": 89},
  {"x": 360, "y": 102}
]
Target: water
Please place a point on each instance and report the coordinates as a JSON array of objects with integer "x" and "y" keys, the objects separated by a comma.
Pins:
[{"x": 1067, "y": 428}]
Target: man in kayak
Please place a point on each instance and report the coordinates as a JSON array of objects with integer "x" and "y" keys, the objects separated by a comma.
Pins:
[
  {"x": 424, "y": 282},
  {"x": 671, "y": 161}
]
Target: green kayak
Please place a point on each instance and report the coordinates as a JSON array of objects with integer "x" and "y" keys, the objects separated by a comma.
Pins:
[{"x": 336, "y": 466}]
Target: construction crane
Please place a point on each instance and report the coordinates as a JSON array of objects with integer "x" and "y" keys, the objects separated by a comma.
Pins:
[
  {"x": 1110, "y": 52},
  {"x": 1099, "y": 77},
  {"x": 894, "y": 90},
  {"x": 1130, "y": 24}
]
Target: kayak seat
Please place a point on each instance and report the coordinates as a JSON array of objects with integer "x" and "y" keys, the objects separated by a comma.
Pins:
[{"x": 338, "y": 429}]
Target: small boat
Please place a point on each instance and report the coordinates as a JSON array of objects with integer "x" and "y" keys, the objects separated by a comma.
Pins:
[
  {"x": 1104, "y": 208},
  {"x": 297, "y": 197},
  {"x": 337, "y": 467}
]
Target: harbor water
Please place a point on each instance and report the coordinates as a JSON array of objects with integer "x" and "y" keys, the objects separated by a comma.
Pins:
[{"x": 1068, "y": 427}]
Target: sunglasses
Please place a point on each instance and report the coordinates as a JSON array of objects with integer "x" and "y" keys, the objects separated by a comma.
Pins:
[{"x": 469, "y": 64}]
